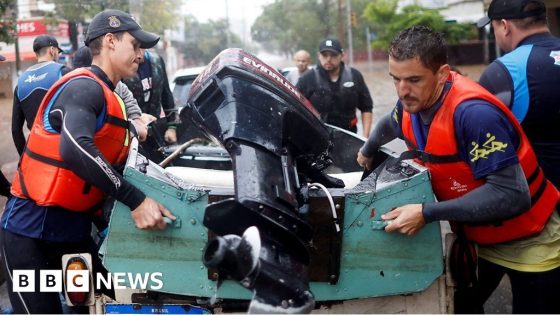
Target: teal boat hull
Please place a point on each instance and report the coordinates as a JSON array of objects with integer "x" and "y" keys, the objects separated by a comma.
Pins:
[{"x": 373, "y": 263}]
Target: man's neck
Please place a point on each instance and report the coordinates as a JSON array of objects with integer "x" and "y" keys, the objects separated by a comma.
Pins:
[
  {"x": 107, "y": 69},
  {"x": 44, "y": 59},
  {"x": 428, "y": 114},
  {"x": 521, "y": 35},
  {"x": 334, "y": 74}
]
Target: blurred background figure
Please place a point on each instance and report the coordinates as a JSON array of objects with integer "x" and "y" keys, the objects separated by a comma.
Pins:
[
  {"x": 337, "y": 90},
  {"x": 83, "y": 59},
  {"x": 4, "y": 183},
  {"x": 150, "y": 88},
  {"x": 302, "y": 60},
  {"x": 33, "y": 85}
]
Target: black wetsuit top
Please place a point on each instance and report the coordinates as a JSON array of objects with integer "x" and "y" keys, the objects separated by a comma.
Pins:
[{"x": 74, "y": 114}]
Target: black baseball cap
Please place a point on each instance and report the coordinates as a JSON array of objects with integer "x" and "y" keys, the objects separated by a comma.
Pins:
[
  {"x": 113, "y": 21},
  {"x": 43, "y": 41},
  {"x": 2, "y": 58},
  {"x": 511, "y": 9},
  {"x": 331, "y": 44}
]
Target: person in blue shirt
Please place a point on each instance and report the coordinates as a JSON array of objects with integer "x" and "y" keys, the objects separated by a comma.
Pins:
[
  {"x": 33, "y": 85},
  {"x": 4, "y": 183},
  {"x": 483, "y": 172},
  {"x": 527, "y": 78}
]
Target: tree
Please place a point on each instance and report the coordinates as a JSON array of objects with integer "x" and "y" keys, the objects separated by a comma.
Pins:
[
  {"x": 386, "y": 22},
  {"x": 286, "y": 26},
  {"x": 203, "y": 41},
  {"x": 7, "y": 21},
  {"x": 155, "y": 16}
]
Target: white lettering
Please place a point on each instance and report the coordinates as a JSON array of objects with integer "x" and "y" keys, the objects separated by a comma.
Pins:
[
  {"x": 108, "y": 171},
  {"x": 106, "y": 281},
  {"x": 79, "y": 280},
  {"x": 118, "y": 278},
  {"x": 138, "y": 280},
  {"x": 156, "y": 278},
  {"x": 272, "y": 74},
  {"x": 50, "y": 281}
]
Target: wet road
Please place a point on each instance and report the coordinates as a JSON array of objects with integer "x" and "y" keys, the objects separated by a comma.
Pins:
[{"x": 384, "y": 96}]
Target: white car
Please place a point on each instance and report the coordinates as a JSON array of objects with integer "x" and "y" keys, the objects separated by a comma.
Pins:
[{"x": 181, "y": 84}]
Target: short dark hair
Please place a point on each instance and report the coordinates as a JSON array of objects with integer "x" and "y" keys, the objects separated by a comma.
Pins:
[
  {"x": 82, "y": 57},
  {"x": 535, "y": 20},
  {"x": 420, "y": 42},
  {"x": 42, "y": 51},
  {"x": 95, "y": 44}
]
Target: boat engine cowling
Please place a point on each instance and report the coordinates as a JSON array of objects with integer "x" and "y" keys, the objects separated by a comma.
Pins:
[{"x": 276, "y": 142}]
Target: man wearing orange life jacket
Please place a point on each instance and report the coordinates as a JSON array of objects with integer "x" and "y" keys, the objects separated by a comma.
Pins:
[
  {"x": 79, "y": 136},
  {"x": 484, "y": 172}
]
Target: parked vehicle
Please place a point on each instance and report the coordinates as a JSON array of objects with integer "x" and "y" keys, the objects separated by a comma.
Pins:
[
  {"x": 181, "y": 84},
  {"x": 285, "y": 71}
]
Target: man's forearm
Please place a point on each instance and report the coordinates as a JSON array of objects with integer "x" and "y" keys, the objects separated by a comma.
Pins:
[
  {"x": 504, "y": 195},
  {"x": 367, "y": 118},
  {"x": 382, "y": 133}
]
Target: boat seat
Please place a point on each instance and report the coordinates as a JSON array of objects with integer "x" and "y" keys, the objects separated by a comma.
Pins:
[{"x": 220, "y": 178}]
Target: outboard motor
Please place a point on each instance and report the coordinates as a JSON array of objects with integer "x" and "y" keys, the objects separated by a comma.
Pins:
[{"x": 276, "y": 142}]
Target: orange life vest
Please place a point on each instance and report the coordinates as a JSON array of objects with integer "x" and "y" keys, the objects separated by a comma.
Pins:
[
  {"x": 452, "y": 177},
  {"x": 42, "y": 175}
]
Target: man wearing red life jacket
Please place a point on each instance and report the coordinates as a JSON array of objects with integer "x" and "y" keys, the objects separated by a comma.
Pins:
[
  {"x": 483, "y": 171},
  {"x": 79, "y": 136}
]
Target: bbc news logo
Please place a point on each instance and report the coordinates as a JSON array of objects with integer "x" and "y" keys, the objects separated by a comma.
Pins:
[{"x": 79, "y": 280}]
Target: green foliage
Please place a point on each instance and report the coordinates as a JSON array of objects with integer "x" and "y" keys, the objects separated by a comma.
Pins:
[
  {"x": 286, "y": 26},
  {"x": 155, "y": 16},
  {"x": 386, "y": 22},
  {"x": 203, "y": 41},
  {"x": 80, "y": 10},
  {"x": 458, "y": 32},
  {"x": 7, "y": 21}
]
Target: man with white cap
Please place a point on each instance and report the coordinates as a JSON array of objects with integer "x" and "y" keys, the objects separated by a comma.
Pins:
[{"x": 79, "y": 139}]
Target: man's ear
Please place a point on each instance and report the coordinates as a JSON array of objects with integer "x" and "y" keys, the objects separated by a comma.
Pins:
[
  {"x": 503, "y": 26},
  {"x": 443, "y": 73},
  {"x": 507, "y": 25},
  {"x": 109, "y": 39}
]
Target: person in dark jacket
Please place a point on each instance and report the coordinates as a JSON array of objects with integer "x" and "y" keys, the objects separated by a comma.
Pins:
[
  {"x": 150, "y": 88},
  {"x": 337, "y": 90}
]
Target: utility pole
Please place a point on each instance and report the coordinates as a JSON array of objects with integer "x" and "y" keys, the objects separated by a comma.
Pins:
[
  {"x": 228, "y": 35},
  {"x": 339, "y": 23},
  {"x": 349, "y": 33},
  {"x": 15, "y": 14},
  {"x": 368, "y": 45}
]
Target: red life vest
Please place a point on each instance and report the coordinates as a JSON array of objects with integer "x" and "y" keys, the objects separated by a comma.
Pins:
[
  {"x": 452, "y": 177},
  {"x": 42, "y": 175}
]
